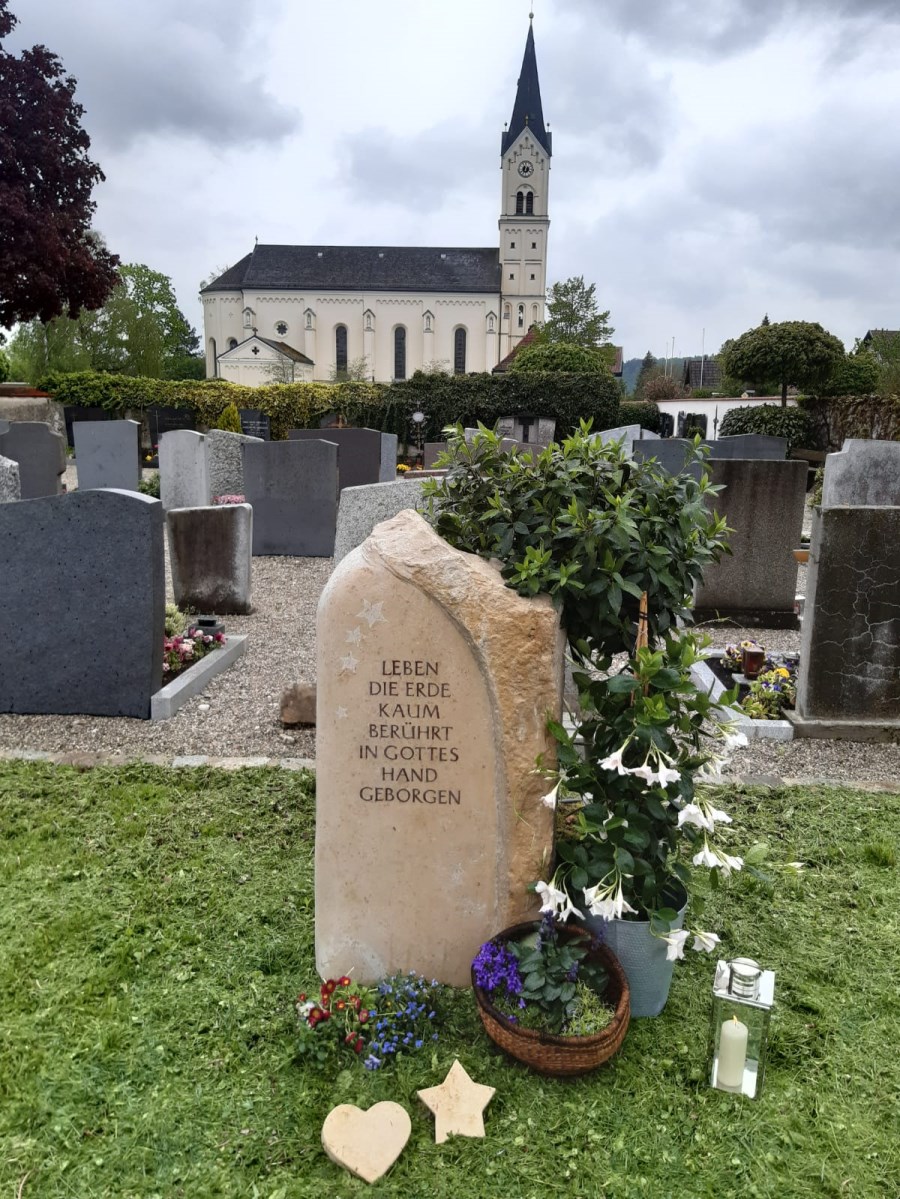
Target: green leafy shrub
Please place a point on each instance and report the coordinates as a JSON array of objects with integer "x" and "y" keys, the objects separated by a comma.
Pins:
[
  {"x": 701, "y": 393},
  {"x": 772, "y": 420},
  {"x": 229, "y": 419},
  {"x": 834, "y": 420},
  {"x": 637, "y": 413},
  {"x": 150, "y": 485},
  {"x": 855, "y": 375},
  {"x": 562, "y": 356}
]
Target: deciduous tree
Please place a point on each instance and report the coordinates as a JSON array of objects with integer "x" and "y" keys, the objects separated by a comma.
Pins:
[
  {"x": 561, "y": 356},
  {"x": 795, "y": 353},
  {"x": 573, "y": 315}
]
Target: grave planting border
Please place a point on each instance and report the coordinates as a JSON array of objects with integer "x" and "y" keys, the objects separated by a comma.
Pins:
[
  {"x": 762, "y": 730},
  {"x": 166, "y": 702}
]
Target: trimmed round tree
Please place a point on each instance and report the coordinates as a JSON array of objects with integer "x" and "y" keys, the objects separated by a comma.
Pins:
[{"x": 795, "y": 353}]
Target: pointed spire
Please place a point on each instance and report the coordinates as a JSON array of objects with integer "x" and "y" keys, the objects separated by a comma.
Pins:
[{"x": 527, "y": 110}]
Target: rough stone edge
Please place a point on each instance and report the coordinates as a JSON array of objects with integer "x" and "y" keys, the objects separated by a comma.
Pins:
[
  {"x": 166, "y": 702},
  {"x": 762, "y": 730},
  {"x": 87, "y": 761}
]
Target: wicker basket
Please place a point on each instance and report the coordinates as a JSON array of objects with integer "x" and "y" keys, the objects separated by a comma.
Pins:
[{"x": 559, "y": 1055}]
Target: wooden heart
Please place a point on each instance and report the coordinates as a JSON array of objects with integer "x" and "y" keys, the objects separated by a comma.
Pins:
[{"x": 366, "y": 1143}]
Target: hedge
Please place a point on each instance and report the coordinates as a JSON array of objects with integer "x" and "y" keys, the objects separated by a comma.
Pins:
[
  {"x": 645, "y": 414},
  {"x": 445, "y": 399},
  {"x": 868, "y": 417},
  {"x": 770, "y": 419}
]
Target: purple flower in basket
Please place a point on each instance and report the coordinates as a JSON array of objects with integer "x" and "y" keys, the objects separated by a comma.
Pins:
[{"x": 494, "y": 966}]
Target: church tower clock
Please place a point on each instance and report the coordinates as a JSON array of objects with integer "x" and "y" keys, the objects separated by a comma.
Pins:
[{"x": 525, "y": 150}]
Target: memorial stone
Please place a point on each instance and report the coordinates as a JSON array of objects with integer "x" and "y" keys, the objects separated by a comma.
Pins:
[
  {"x": 863, "y": 474},
  {"x": 210, "y": 555},
  {"x": 255, "y": 423},
  {"x": 366, "y": 456},
  {"x": 9, "y": 481},
  {"x": 80, "y": 412},
  {"x": 431, "y": 453},
  {"x": 293, "y": 489},
  {"x": 168, "y": 420},
  {"x": 107, "y": 454},
  {"x": 41, "y": 455},
  {"x": 671, "y": 452},
  {"x": 84, "y": 607},
  {"x": 225, "y": 461},
  {"x": 183, "y": 470},
  {"x": 434, "y": 685},
  {"x": 362, "y": 508}
]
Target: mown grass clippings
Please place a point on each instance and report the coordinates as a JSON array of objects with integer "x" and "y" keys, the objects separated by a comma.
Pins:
[{"x": 156, "y": 925}]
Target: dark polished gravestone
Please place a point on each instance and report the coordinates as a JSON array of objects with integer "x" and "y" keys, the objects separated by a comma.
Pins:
[
  {"x": 367, "y": 456},
  {"x": 82, "y": 592},
  {"x": 255, "y": 423},
  {"x": 671, "y": 452},
  {"x": 41, "y": 455},
  {"x": 80, "y": 412},
  {"x": 168, "y": 420},
  {"x": 292, "y": 487},
  {"x": 107, "y": 454}
]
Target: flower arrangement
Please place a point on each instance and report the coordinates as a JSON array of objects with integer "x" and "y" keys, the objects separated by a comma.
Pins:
[
  {"x": 773, "y": 689},
  {"x": 402, "y": 468},
  {"x": 398, "y": 1016},
  {"x": 183, "y": 650},
  {"x": 229, "y": 499},
  {"x": 544, "y": 981}
]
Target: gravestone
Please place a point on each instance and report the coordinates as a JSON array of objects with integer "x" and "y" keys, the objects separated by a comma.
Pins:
[
  {"x": 749, "y": 445},
  {"x": 434, "y": 685},
  {"x": 431, "y": 453},
  {"x": 225, "y": 461},
  {"x": 84, "y": 607},
  {"x": 80, "y": 412},
  {"x": 863, "y": 474},
  {"x": 9, "y": 481},
  {"x": 367, "y": 456},
  {"x": 255, "y": 423},
  {"x": 293, "y": 488},
  {"x": 763, "y": 502},
  {"x": 671, "y": 452},
  {"x": 209, "y": 551},
  {"x": 627, "y": 434},
  {"x": 22, "y": 403},
  {"x": 183, "y": 470},
  {"x": 848, "y": 683},
  {"x": 107, "y": 454},
  {"x": 168, "y": 420},
  {"x": 362, "y": 508},
  {"x": 41, "y": 455}
]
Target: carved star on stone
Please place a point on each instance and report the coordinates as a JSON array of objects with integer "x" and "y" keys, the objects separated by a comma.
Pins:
[
  {"x": 342, "y": 713},
  {"x": 354, "y": 636},
  {"x": 372, "y": 613},
  {"x": 349, "y": 664},
  {"x": 458, "y": 1105}
]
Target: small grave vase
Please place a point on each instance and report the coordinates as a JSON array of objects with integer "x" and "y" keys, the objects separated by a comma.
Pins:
[
  {"x": 752, "y": 659},
  {"x": 743, "y": 996}
]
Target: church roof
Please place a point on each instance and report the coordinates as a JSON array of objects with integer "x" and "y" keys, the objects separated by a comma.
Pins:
[
  {"x": 281, "y": 347},
  {"x": 363, "y": 268},
  {"x": 528, "y": 110}
]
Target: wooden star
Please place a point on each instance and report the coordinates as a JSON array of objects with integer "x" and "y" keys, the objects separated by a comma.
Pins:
[{"x": 457, "y": 1104}]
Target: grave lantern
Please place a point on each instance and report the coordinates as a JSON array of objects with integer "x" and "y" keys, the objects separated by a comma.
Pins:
[{"x": 743, "y": 995}]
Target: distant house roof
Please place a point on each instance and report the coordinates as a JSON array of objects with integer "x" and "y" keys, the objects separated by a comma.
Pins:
[
  {"x": 363, "y": 268},
  {"x": 888, "y": 335},
  {"x": 504, "y": 364},
  {"x": 711, "y": 372},
  {"x": 281, "y": 347}
]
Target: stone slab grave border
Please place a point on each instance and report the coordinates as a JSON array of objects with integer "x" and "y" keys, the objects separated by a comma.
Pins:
[
  {"x": 166, "y": 702},
  {"x": 761, "y": 730}
]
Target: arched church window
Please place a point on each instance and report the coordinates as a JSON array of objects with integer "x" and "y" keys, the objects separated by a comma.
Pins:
[
  {"x": 520, "y": 203},
  {"x": 507, "y": 312},
  {"x": 400, "y": 352},
  {"x": 212, "y": 365},
  {"x": 521, "y": 321},
  {"x": 529, "y": 203},
  {"x": 281, "y": 328},
  {"x": 459, "y": 352},
  {"x": 534, "y": 314},
  {"x": 232, "y": 343},
  {"x": 340, "y": 349}
]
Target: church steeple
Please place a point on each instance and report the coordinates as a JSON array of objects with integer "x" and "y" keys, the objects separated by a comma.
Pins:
[{"x": 527, "y": 110}]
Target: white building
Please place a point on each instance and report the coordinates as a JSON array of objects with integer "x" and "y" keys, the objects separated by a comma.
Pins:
[{"x": 307, "y": 312}]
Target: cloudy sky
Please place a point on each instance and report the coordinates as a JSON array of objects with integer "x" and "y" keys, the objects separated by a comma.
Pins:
[{"x": 713, "y": 159}]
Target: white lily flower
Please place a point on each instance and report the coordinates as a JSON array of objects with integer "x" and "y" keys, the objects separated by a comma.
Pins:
[
  {"x": 706, "y": 857},
  {"x": 675, "y": 942},
  {"x": 716, "y": 815},
  {"x": 645, "y": 772},
  {"x": 622, "y": 904},
  {"x": 556, "y": 901},
  {"x": 717, "y": 859},
  {"x": 705, "y": 941},
  {"x": 693, "y": 814},
  {"x": 666, "y": 775},
  {"x": 730, "y": 863},
  {"x": 614, "y": 762},
  {"x": 549, "y": 800},
  {"x": 736, "y": 740}
]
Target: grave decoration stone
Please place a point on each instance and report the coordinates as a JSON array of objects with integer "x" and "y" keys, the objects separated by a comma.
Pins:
[
  {"x": 863, "y": 474},
  {"x": 434, "y": 686},
  {"x": 9, "y": 481},
  {"x": 362, "y": 508},
  {"x": 293, "y": 489},
  {"x": 41, "y": 455},
  {"x": 848, "y": 685},
  {"x": 84, "y": 608},
  {"x": 81, "y": 412},
  {"x": 763, "y": 502},
  {"x": 183, "y": 470},
  {"x": 367, "y": 456},
  {"x": 255, "y": 423},
  {"x": 225, "y": 461},
  {"x": 210, "y": 554},
  {"x": 107, "y": 454}
]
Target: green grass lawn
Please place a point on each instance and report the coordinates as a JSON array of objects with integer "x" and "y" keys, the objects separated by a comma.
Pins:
[{"x": 156, "y": 925}]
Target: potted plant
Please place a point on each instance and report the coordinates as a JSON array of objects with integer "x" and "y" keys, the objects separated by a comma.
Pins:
[{"x": 552, "y": 996}]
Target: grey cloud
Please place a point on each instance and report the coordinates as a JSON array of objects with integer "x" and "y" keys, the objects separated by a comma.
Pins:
[{"x": 171, "y": 68}]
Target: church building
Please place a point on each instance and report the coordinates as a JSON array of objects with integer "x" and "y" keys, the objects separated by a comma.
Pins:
[{"x": 314, "y": 312}]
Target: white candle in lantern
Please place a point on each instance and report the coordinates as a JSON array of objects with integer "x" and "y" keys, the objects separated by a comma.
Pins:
[{"x": 732, "y": 1053}]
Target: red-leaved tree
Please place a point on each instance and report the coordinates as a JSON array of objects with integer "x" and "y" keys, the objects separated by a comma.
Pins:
[{"x": 50, "y": 261}]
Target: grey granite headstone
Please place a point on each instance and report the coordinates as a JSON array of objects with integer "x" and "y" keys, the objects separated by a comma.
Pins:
[
  {"x": 107, "y": 454},
  {"x": 431, "y": 453},
  {"x": 34, "y": 408},
  {"x": 749, "y": 445},
  {"x": 628, "y": 434},
  {"x": 225, "y": 461},
  {"x": 850, "y": 645},
  {"x": 367, "y": 456},
  {"x": 210, "y": 553},
  {"x": 671, "y": 452},
  {"x": 863, "y": 474},
  {"x": 293, "y": 488},
  {"x": 9, "y": 481},
  {"x": 82, "y": 592},
  {"x": 362, "y": 508},
  {"x": 41, "y": 455},
  {"x": 763, "y": 502},
  {"x": 183, "y": 470}
]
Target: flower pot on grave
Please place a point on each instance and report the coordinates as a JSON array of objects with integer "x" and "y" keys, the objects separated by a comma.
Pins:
[
  {"x": 752, "y": 661},
  {"x": 546, "y": 1053},
  {"x": 642, "y": 955}
]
